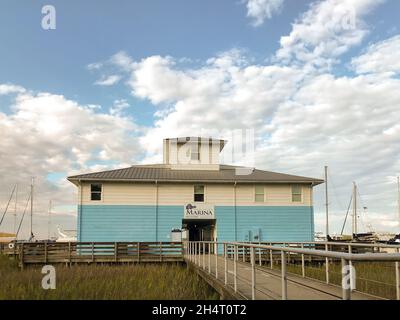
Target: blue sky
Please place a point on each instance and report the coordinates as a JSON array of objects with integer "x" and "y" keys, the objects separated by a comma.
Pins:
[{"x": 195, "y": 58}]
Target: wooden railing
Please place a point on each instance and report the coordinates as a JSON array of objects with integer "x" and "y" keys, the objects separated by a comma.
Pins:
[{"x": 99, "y": 252}]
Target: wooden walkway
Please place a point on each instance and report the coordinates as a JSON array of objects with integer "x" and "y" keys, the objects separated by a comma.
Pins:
[{"x": 268, "y": 282}]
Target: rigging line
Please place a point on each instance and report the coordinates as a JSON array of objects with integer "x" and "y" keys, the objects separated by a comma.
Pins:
[
  {"x": 363, "y": 206},
  {"x": 347, "y": 213},
  {"x": 23, "y": 215},
  {"x": 9, "y": 200}
]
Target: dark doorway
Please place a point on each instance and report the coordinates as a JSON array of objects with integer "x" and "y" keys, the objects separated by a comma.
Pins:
[{"x": 199, "y": 230}]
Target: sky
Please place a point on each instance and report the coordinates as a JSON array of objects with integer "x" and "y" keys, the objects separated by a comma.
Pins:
[{"x": 317, "y": 81}]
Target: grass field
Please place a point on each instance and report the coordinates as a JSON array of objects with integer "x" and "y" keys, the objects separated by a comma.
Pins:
[
  {"x": 144, "y": 281},
  {"x": 375, "y": 278}
]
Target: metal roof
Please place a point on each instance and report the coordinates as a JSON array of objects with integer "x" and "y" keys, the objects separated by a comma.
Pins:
[{"x": 163, "y": 173}]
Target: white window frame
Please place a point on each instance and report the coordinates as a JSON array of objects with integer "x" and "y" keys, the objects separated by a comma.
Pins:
[
  {"x": 204, "y": 192},
  {"x": 296, "y": 194},
  {"x": 192, "y": 147},
  {"x": 258, "y": 194},
  {"x": 96, "y": 192}
]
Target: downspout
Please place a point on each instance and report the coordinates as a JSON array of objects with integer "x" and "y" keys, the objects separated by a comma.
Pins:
[
  {"x": 234, "y": 199},
  {"x": 80, "y": 210},
  {"x": 156, "y": 210}
]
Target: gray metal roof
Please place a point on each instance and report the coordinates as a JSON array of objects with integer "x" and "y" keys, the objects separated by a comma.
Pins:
[{"x": 162, "y": 173}]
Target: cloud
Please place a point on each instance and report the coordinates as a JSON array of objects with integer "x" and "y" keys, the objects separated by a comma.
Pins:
[
  {"x": 119, "y": 106},
  {"x": 304, "y": 117},
  {"x": 6, "y": 89},
  {"x": 259, "y": 10},
  {"x": 382, "y": 57},
  {"x": 326, "y": 31},
  {"x": 108, "y": 80},
  {"x": 47, "y": 133}
]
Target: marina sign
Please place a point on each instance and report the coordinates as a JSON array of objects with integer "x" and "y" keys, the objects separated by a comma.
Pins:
[{"x": 198, "y": 211}]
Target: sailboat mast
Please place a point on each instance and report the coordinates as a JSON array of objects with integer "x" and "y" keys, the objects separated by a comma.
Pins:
[
  {"x": 31, "y": 235},
  {"x": 326, "y": 202},
  {"x": 398, "y": 197},
  {"x": 15, "y": 208},
  {"x": 49, "y": 224},
  {"x": 354, "y": 209}
]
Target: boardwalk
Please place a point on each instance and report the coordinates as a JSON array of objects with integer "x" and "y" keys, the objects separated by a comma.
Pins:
[
  {"x": 268, "y": 282},
  {"x": 250, "y": 275}
]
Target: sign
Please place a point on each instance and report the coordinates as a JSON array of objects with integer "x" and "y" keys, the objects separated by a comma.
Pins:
[{"x": 198, "y": 211}]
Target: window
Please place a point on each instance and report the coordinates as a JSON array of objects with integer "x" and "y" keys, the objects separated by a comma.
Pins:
[
  {"x": 198, "y": 193},
  {"x": 195, "y": 151},
  {"x": 95, "y": 191},
  {"x": 296, "y": 193},
  {"x": 259, "y": 197}
]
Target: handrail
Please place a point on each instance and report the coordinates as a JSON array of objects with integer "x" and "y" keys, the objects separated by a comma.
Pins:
[{"x": 194, "y": 250}]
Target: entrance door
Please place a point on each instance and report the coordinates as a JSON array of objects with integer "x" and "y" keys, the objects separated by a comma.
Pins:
[{"x": 199, "y": 230}]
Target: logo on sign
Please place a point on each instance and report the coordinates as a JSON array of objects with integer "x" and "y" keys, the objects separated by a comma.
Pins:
[{"x": 192, "y": 211}]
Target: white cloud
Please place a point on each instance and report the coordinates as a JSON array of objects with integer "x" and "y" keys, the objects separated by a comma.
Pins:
[
  {"x": 6, "y": 89},
  {"x": 259, "y": 10},
  {"x": 382, "y": 57},
  {"x": 304, "y": 117},
  {"x": 119, "y": 106},
  {"x": 47, "y": 133},
  {"x": 326, "y": 31},
  {"x": 108, "y": 80}
]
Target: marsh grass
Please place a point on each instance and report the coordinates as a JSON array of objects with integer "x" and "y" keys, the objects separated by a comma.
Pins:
[
  {"x": 81, "y": 282},
  {"x": 374, "y": 278}
]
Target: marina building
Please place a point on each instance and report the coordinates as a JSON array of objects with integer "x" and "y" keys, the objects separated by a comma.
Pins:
[{"x": 191, "y": 195}]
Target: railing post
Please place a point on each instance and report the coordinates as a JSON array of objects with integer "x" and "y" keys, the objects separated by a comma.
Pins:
[
  {"x": 346, "y": 288},
  {"x": 303, "y": 267},
  {"x": 351, "y": 269},
  {"x": 204, "y": 256},
  {"x": 244, "y": 253},
  {"x": 283, "y": 275},
  {"x": 397, "y": 278},
  {"x": 198, "y": 254},
  {"x": 115, "y": 251},
  {"x": 271, "y": 259},
  {"x": 260, "y": 256},
  {"x": 226, "y": 263},
  {"x": 209, "y": 258},
  {"x": 69, "y": 253},
  {"x": 253, "y": 274},
  {"x": 216, "y": 260},
  {"x": 45, "y": 252},
  {"x": 22, "y": 257},
  {"x": 326, "y": 266},
  {"x": 235, "y": 267}
]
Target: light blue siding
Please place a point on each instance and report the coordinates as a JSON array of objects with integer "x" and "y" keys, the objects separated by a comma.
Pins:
[
  {"x": 276, "y": 223},
  {"x": 117, "y": 223},
  {"x": 169, "y": 217},
  {"x": 148, "y": 223}
]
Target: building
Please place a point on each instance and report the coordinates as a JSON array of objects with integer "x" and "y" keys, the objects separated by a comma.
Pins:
[{"x": 191, "y": 191}]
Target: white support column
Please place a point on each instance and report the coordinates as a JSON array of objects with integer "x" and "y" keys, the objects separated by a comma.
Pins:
[
  {"x": 326, "y": 266},
  {"x": 283, "y": 275},
  {"x": 216, "y": 260},
  {"x": 226, "y": 263},
  {"x": 235, "y": 267},
  {"x": 253, "y": 273},
  {"x": 209, "y": 258}
]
